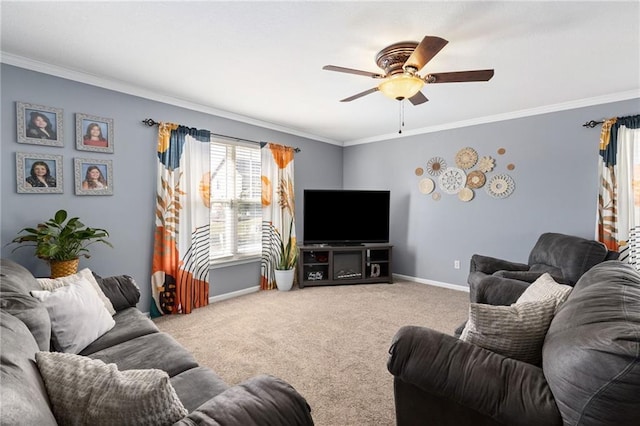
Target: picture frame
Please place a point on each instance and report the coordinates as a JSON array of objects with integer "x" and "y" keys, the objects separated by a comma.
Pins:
[
  {"x": 88, "y": 182},
  {"x": 94, "y": 133},
  {"x": 29, "y": 177},
  {"x": 39, "y": 124}
]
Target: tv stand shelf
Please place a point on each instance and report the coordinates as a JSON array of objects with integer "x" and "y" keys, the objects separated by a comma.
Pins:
[{"x": 332, "y": 265}]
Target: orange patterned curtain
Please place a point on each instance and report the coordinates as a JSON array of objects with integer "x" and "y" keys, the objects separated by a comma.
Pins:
[
  {"x": 180, "y": 270},
  {"x": 278, "y": 206},
  {"x": 619, "y": 194}
]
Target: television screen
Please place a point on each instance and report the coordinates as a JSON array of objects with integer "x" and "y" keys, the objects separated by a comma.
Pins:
[{"x": 345, "y": 216}]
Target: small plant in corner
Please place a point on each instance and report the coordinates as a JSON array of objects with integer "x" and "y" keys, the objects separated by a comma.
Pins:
[
  {"x": 288, "y": 253},
  {"x": 59, "y": 239}
]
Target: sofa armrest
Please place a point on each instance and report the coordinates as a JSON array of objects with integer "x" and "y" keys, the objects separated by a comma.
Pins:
[
  {"x": 489, "y": 265},
  {"x": 495, "y": 290},
  {"x": 262, "y": 400},
  {"x": 504, "y": 389},
  {"x": 122, "y": 290}
]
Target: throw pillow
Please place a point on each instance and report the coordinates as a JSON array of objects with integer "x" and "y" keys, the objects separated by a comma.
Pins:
[
  {"x": 515, "y": 331},
  {"x": 51, "y": 284},
  {"x": 545, "y": 287},
  {"x": 78, "y": 316},
  {"x": 88, "y": 391}
]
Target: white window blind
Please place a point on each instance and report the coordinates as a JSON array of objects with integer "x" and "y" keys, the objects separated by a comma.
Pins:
[{"x": 236, "y": 209}]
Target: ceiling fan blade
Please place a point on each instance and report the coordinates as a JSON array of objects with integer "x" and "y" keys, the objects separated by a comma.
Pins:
[
  {"x": 418, "y": 98},
  {"x": 459, "y": 76},
  {"x": 425, "y": 51},
  {"x": 352, "y": 71},
  {"x": 359, "y": 95}
]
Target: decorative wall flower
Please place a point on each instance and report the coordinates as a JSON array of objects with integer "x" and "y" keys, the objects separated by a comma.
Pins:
[
  {"x": 436, "y": 165},
  {"x": 486, "y": 164}
]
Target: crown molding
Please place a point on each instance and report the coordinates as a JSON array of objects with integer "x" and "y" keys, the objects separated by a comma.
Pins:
[
  {"x": 119, "y": 86},
  {"x": 616, "y": 97}
]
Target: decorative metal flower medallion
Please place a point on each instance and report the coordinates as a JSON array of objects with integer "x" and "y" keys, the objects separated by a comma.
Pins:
[
  {"x": 436, "y": 165},
  {"x": 500, "y": 186},
  {"x": 466, "y": 158},
  {"x": 486, "y": 164},
  {"x": 476, "y": 179},
  {"x": 452, "y": 180}
]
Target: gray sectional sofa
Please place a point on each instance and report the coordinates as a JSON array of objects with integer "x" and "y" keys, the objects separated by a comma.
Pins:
[
  {"x": 134, "y": 343},
  {"x": 589, "y": 376}
]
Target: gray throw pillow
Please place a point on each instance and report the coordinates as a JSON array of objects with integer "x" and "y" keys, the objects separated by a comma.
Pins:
[
  {"x": 515, "y": 331},
  {"x": 89, "y": 392},
  {"x": 51, "y": 284},
  {"x": 78, "y": 316}
]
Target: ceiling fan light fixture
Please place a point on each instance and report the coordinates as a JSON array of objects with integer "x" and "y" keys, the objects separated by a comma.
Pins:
[{"x": 401, "y": 86}]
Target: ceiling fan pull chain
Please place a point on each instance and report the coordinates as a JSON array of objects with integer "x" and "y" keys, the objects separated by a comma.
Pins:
[{"x": 401, "y": 117}]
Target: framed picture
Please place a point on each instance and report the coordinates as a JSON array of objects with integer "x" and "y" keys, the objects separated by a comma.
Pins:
[
  {"x": 94, "y": 133},
  {"x": 39, "y": 124},
  {"x": 93, "y": 177},
  {"x": 38, "y": 173}
]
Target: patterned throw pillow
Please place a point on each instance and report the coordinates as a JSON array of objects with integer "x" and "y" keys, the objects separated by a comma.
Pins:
[
  {"x": 88, "y": 391},
  {"x": 51, "y": 284}
]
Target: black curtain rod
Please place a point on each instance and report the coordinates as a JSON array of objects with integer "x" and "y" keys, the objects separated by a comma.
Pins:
[
  {"x": 151, "y": 122},
  {"x": 591, "y": 124}
]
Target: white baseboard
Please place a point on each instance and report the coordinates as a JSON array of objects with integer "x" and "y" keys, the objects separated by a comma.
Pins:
[
  {"x": 234, "y": 294},
  {"x": 433, "y": 283}
]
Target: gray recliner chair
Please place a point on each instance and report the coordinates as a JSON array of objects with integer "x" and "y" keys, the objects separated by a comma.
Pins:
[{"x": 565, "y": 257}]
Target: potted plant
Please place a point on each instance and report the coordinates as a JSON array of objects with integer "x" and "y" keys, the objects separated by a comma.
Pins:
[
  {"x": 287, "y": 259},
  {"x": 61, "y": 242}
]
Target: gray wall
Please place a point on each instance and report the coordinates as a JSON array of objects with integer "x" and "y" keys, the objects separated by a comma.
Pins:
[
  {"x": 556, "y": 187},
  {"x": 129, "y": 214},
  {"x": 555, "y": 174}
]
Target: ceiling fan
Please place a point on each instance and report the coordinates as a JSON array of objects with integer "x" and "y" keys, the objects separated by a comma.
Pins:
[{"x": 401, "y": 63}]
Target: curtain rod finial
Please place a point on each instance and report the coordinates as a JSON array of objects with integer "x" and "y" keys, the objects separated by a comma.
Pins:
[
  {"x": 591, "y": 124},
  {"x": 149, "y": 122}
]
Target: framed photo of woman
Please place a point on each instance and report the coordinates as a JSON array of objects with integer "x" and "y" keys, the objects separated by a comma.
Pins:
[
  {"x": 93, "y": 177},
  {"x": 38, "y": 173},
  {"x": 39, "y": 124},
  {"x": 94, "y": 133}
]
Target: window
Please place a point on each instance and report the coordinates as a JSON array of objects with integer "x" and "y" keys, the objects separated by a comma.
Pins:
[{"x": 236, "y": 208}]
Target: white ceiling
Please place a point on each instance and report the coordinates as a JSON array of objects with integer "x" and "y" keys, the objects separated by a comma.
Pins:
[{"x": 262, "y": 62}]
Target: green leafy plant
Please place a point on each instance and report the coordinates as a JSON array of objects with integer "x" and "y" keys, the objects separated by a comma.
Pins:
[
  {"x": 288, "y": 253},
  {"x": 56, "y": 239}
]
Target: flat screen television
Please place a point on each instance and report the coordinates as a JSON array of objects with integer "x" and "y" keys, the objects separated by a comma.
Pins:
[{"x": 345, "y": 217}]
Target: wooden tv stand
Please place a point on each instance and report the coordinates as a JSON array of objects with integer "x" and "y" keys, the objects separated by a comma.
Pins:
[{"x": 333, "y": 265}]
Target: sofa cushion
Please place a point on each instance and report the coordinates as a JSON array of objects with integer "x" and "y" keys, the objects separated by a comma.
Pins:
[
  {"x": 130, "y": 323},
  {"x": 572, "y": 255},
  {"x": 122, "y": 290},
  {"x": 32, "y": 313},
  {"x": 78, "y": 316},
  {"x": 515, "y": 331},
  {"x": 51, "y": 284},
  {"x": 23, "y": 397},
  {"x": 156, "y": 350},
  {"x": 88, "y": 391},
  {"x": 197, "y": 385},
  {"x": 598, "y": 330}
]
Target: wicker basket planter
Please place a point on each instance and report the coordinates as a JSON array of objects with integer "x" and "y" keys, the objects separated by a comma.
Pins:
[{"x": 62, "y": 268}]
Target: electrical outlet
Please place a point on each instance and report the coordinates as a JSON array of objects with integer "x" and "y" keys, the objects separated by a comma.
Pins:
[{"x": 456, "y": 264}]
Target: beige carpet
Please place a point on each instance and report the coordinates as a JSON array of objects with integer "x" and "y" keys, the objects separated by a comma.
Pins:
[{"x": 330, "y": 343}]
